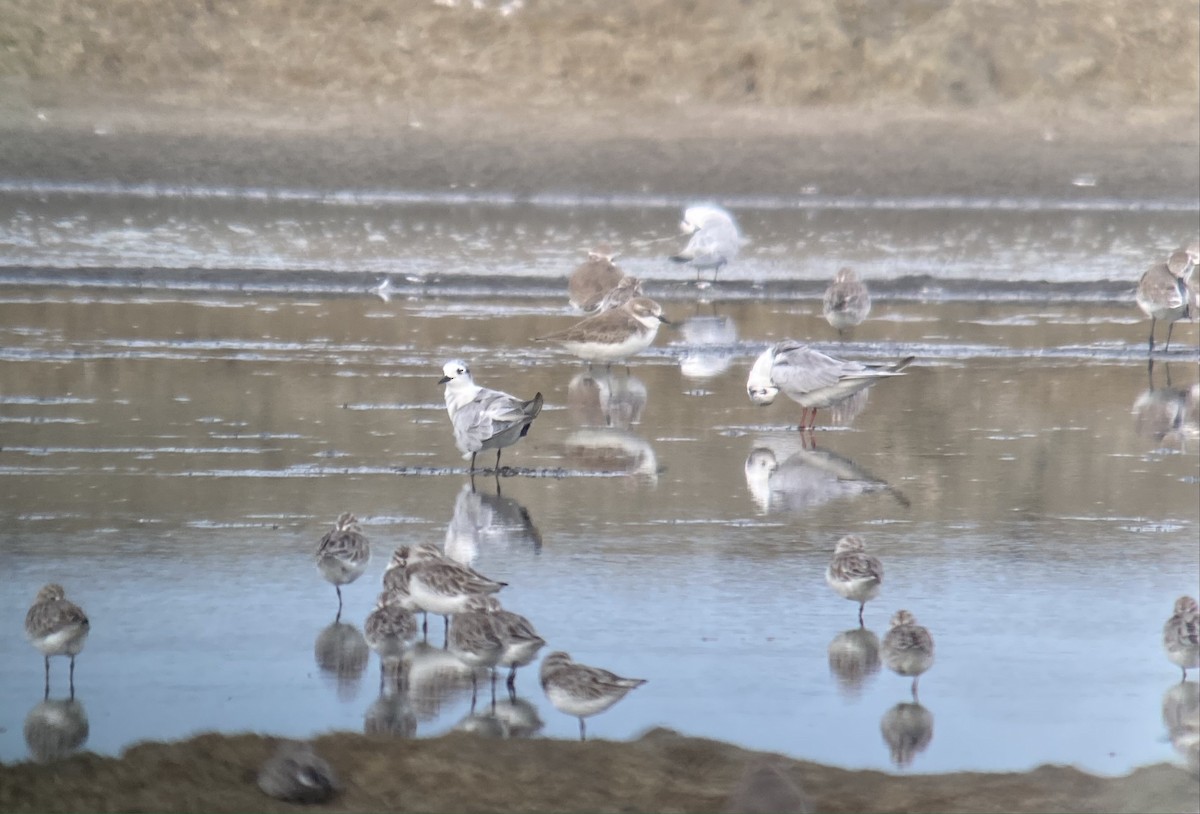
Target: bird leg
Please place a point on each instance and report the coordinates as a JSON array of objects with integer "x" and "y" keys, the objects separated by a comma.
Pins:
[
  {"x": 493, "y": 690},
  {"x": 1152, "y": 321},
  {"x": 46, "y": 694},
  {"x": 582, "y": 730},
  {"x": 512, "y": 679},
  {"x": 474, "y": 690},
  {"x": 472, "y": 469},
  {"x": 446, "y": 633},
  {"x": 916, "y": 700},
  {"x": 1170, "y": 327},
  {"x": 72, "y": 679},
  {"x": 861, "y": 605}
]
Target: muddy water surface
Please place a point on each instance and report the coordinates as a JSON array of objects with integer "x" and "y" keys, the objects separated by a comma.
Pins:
[{"x": 1029, "y": 486}]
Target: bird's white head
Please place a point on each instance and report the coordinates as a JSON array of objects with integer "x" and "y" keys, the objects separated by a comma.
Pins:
[
  {"x": 760, "y": 387},
  {"x": 455, "y": 370}
]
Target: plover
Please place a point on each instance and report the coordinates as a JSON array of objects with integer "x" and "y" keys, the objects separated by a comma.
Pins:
[
  {"x": 582, "y": 691},
  {"x": 56, "y": 627},
  {"x": 612, "y": 335},
  {"x": 812, "y": 379},
  {"x": 1163, "y": 294},
  {"x": 853, "y": 573},
  {"x": 847, "y": 301},
  {"x": 484, "y": 418},
  {"x": 343, "y": 554},
  {"x": 907, "y": 648},
  {"x": 1181, "y": 635},
  {"x": 714, "y": 242}
]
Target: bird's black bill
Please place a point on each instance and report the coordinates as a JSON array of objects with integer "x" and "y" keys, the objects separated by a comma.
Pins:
[{"x": 443, "y": 380}]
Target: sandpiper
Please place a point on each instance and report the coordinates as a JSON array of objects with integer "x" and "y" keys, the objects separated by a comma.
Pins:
[
  {"x": 1181, "y": 635},
  {"x": 57, "y": 627},
  {"x": 474, "y": 639},
  {"x": 612, "y": 335},
  {"x": 484, "y": 418},
  {"x": 847, "y": 301},
  {"x": 592, "y": 280},
  {"x": 343, "y": 554},
  {"x": 1163, "y": 294},
  {"x": 907, "y": 648},
  {"x": 580, "y": 690},
  {"x": 812, "y": 379},
  {"x": 853, "y": 573},
  {"x": 714, "y": 239},
  {"x": 445, "y": 587},
  {"x": 389, "y": 630},
  {"x": 521, "y": 641}
]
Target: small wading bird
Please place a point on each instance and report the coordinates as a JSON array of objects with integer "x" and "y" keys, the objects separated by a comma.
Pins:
[
  {"x": 847, "y": 301},
  {"x": 812, "y": 379},
  {"x": 714, "y": 239},
  {"x": 1163, "y": 293},
  {"x": 613, "y": 335},
  {"x": 595, "y": 280},
  {"x": 907, "y": 648},
  {"x": 580, "y": 690},
  {"x": 57, "y": 627},
  {"x": 1181, "y": 635},
  {"x": 343, "y": 554},
  {"x": 853, "y": 573},
  {"x": 483, "y": 418}
]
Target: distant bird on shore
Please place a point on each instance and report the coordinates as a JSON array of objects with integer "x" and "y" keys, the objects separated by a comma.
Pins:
[
  {"x": 1181, "y": 635},
  {"x": 598, "y": 284},
  {"x": 812, "y": 379},
  {"x": 613, "y": 335},
  {"x": 582, "y": 691},
  {"x": 1163, "y": 294},
  {"x": 908, "y": 648},
  {"x": 56, "y": 627},
  {"x": 854, "y": 574},
  {"x": 483, "y": 418},
  {"x": 343, "y": 554},
  {"x": 847, "y": 301},
  {"x": 715, "y": 239}
]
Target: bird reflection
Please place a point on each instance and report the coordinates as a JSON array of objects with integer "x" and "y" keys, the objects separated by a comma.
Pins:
[
  {"x": 854, "y": 658},
  {"x": 806, "y": 478},
  {"x": 484, "y": 724},
  {"x": 907, "y": 729},
  {"x": 390, "y": 714},
  {"x": 483, "y": 520},
  {"x": 1181, "y": 717},
  {"x": 519, "y": 717},
  {"x": 1168, "y": 415},
  {"x": 55, "y": 729},
  {"x": 435, "y": 678},
  {"x": 600, "y": 398},
  {"x": 342, "y": 653},
  {"x": 611, "y": 451},
  {"x": 705, "y": 336}
]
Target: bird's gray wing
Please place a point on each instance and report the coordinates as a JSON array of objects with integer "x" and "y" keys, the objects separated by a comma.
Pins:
[
  {"x": 488, "y": 414},
  {"x": 800, "y": 369}
]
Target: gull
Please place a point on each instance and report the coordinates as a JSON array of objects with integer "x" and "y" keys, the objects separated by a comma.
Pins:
[
  {"x": 612, "y": 335},
  {"x": 579, "y": 690},
  {"x": 57, "y": 627},
  {"x": 812, "y": 379},
  {"x": 907, "y": 648},
  {"x": 1162, "y": 292},
  {"x": 854, "y": 574},
  {"x": 484, "y": 418},
  {"x": 847, "y": 301},
  {"x": 1181, "y": 635},
  {"x": 343, "y": 554},
  {"x": 714, "y": 238}
]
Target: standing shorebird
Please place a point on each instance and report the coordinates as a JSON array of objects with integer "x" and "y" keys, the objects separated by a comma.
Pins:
[
  {"x": 847, "y": 301},
  {"x": 1181, "y": 635},
  {"x": 714, "y": 242},
  {"x": 56, "y": 627},
  {"x": 484, "y": 418},
  {"x": 1163, "y": 294},
  {"x": 389, "y": 630},
  {"x": 343, "y": 555},
  {"x": 474, "y": 640},
  {"x": 853, "y": 573},
  {"x": 592, "y": 280},
  {"x": 521, "y": 641},
  {"x": 812, "y": 379},
  {"x": 442, "y": 586},
  {"x": 908, "y": 648},
  {"x": 580, "y": 690},
  {"x": 613, "y": 335}
]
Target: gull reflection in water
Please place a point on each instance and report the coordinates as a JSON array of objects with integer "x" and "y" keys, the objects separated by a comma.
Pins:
[
  {"x": 342, "y": 653},
  {"x": 1181, "y": 717},
  {"x": 483, "y": 520},
  {"x": 854, "y": 658},
  {"x": 907, "y": 729},
  {"x": 806, "y": 478},
  {"x": 611, "y": 451},
  {"x": 390, "y": 713},
  {"x": 602, "y": 398},
  {"x": 1168, "y": 415},
  {"x": 55, "y": 729},
  {"x": 707, "y": 338}
]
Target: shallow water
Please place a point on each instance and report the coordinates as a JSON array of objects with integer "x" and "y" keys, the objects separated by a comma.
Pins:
[{"x": 174, "y": 461}]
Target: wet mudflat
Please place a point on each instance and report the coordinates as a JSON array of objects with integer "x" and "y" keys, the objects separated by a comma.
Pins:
[{"x": 1030, "y": 487}]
